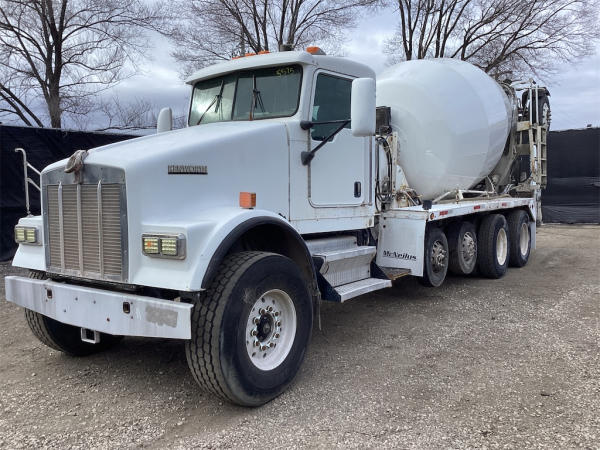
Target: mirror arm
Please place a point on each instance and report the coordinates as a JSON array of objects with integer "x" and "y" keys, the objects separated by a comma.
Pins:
[
  {"x": 307, "y": 124},
  {"x": 307, "y": 157}
]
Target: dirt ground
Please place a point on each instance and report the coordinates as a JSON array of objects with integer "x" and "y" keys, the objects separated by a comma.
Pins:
[{"x": 477, "y": 363}]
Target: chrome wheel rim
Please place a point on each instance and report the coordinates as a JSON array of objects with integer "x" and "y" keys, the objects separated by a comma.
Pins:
[
  {"x": 468, "y": 247},
  {"x": 438, "y": 257},
  {"x": 270, "y": 329},
  {"x": 501, "y": 246},
  {"x": 524, "y": 239}
]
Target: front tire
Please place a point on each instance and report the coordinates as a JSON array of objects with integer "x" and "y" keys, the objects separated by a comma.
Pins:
[
  {"x": 62, "y": 337},
  {"x": 493, "y": 244},
  {"x": 251, "y": 329}
]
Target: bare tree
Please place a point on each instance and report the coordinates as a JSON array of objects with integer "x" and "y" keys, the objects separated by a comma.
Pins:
[
  {"x": 135, "y": 114},
  {"x": 220, "y": 29},
  {"x": 502, "y": 37},
  {"x": 55, "y": 55}
]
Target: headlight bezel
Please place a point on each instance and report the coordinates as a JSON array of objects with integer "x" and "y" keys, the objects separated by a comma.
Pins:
[
  {"x": 180, "y": 245},
  {"x": 27, "y": 231}
]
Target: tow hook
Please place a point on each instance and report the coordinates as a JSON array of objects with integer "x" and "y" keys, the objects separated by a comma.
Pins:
[{"x": 90, "y": 336}]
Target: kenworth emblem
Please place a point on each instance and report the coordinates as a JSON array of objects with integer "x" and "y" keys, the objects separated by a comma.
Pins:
[{"x": 187, "y": 170}]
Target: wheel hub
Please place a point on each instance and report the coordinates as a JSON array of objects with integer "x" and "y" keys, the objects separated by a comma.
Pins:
[
  {"x": 501, "y": 246},
  {"x": 468, "y": 246},
  {"x": 270, "y": 329},
  {"x": 438, "y": 256},
  {"x": 524, "y": 239}
]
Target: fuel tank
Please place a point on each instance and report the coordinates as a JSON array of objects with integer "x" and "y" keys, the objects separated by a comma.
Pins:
[{"x": 452, "y": 121}]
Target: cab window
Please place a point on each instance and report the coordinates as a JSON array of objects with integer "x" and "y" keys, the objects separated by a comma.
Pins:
[{"x": 332, "y": 102}]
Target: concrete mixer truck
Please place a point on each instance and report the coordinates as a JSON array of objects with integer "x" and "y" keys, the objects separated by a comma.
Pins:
[{"x": 299, "y": 179}]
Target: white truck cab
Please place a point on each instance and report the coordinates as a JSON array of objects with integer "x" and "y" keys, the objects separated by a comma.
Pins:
[{"x": 279, "y": 193}]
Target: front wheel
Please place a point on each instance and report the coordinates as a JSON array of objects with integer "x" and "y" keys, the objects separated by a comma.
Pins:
[{"x": 251, "y": 329}]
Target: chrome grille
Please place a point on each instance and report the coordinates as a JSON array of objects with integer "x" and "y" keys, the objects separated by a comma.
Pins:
[{"x": 86, "y": 230}]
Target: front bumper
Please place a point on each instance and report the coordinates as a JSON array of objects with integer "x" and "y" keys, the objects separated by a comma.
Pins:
[{"x": 101, "y": 310}]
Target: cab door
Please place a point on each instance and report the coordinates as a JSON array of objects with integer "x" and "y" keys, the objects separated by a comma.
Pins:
[{"x": 338, "y": 174}]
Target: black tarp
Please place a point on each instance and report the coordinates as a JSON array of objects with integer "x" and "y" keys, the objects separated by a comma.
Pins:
[
  {"x": 43, "y": 146},
  {"x": 573, "y": 191}
]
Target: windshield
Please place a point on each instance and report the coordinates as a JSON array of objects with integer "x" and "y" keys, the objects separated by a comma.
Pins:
[{"x": 247, "y": 95}]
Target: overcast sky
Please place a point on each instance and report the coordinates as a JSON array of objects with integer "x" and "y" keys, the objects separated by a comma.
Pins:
[{"x": 575, "y": 92}]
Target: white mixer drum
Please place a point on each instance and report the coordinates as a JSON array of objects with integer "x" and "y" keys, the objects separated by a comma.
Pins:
[{"x": 452, "y": 121}]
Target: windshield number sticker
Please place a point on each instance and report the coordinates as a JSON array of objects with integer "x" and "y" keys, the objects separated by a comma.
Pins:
[{"x": 284, "y": 71}]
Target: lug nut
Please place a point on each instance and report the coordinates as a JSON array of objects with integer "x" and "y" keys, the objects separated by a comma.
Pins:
[
  {"x": 254, "y": 332},
  {"x": 276, "y": 335},
  {"x": 255, "y": 321},
  {"x": 269, "y": 308},
  {"x": 271, "y": 344},
  {"x": 256, "y": 343},
  {"x": 279, "y": 323},
  {"x": 276, "y": 313},
  {"x": 262, "y": 311},
  {"x": 263, "y": 347}
]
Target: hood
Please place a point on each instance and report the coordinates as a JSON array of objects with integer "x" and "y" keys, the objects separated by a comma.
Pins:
[{"x": 211, "y": 165}]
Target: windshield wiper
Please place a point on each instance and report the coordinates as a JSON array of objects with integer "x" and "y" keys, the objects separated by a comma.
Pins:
[
  {"x": 216, "y": 99},
  {"x": 256, "y": 98}
]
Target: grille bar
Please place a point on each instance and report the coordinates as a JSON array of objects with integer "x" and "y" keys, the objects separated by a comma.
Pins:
[
  {"x": 100, "y": 236},
  {"x": 61, "y": 225},
  {"x": 79, "y": 228}
]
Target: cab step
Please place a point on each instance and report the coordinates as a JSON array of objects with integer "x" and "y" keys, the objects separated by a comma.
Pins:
[
  {"x": 345, "y": 268},
  {"x": 351, "y": 290}
]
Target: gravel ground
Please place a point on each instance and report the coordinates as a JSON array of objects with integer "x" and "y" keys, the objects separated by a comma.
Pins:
[{"x": 510, "y": 363}]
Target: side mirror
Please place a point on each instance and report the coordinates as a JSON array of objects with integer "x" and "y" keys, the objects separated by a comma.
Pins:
[
  {"x": 165, "y": 120},
  {"x": 362, "y": 109}
]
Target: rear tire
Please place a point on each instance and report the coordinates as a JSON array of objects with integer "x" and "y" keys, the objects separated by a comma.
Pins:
[
  {"x": 520, "y": 238},
  {"x": 257, "y": 299},
  {"x": 493, "y": 246},
  {"x": 62, "y": 337},
  {"x": 435, "y": 260},
  {"x": 462, "y": 242}
]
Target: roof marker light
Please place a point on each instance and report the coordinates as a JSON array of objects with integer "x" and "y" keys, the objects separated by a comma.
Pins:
[{"x": 315, "y": 51}]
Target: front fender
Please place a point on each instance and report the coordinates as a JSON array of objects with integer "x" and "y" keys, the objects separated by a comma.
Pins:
[{"x": 208, "y": 238}]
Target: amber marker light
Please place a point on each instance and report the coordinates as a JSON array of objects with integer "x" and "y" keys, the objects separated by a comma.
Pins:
[
  {"x": 247, "y": 200},
  {"x": 315, "y": 50}
]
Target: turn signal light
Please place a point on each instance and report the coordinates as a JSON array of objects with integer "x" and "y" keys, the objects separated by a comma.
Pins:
[{"x": 248, "y": 200}]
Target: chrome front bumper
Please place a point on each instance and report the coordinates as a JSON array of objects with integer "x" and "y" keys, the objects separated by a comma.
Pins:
[{"x": 100, "y": 310}]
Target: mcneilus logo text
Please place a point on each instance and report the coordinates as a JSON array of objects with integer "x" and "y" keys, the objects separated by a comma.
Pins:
[{"x": 390, "y": 254}]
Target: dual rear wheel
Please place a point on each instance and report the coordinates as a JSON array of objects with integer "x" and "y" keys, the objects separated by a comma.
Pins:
[{"x": 462, "y": 248}]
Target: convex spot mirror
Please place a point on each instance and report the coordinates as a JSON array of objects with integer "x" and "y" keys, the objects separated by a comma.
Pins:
[
  {"x": 165, "y": 120},
  {"x": 362, "y": 109}
]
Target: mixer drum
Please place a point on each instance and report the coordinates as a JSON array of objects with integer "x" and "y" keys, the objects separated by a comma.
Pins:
[{"x": 452, "y": 121}]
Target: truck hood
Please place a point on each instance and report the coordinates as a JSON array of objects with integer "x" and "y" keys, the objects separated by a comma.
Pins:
[{"x": 237, "y": 156}]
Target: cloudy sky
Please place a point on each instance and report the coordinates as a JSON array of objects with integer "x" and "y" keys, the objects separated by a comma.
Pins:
[{"x": 575, "y": 92}]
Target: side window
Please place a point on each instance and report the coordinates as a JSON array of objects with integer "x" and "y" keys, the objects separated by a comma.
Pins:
[{"x": 332, "y": 102}]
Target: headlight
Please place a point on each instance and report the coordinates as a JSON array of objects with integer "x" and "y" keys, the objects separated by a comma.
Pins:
[
  {"x": 164, "y": 245},
  {"x": 26, "y": 235}
]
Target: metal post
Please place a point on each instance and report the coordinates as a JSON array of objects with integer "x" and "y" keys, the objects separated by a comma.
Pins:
[
  {"x": 28, "y": 180},
  {"x": 25, "y": 179}
]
